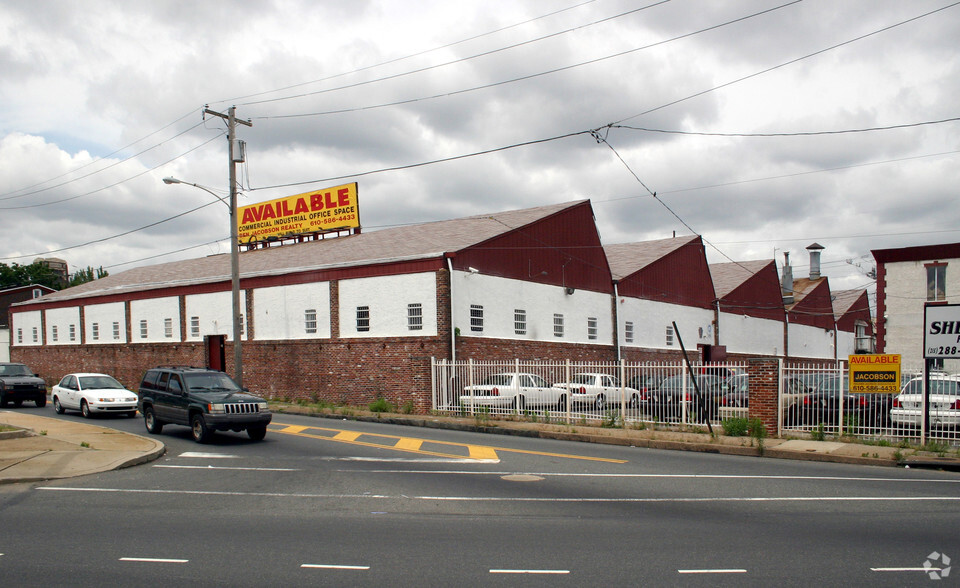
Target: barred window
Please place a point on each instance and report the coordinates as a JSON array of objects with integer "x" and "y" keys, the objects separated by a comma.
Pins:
[
  {"x": 591, "y": 327},
  {"x": 143, "y": 328},
  {"x": 243, "y": 326},
  {"x": 54, "y": 333},
  {"x": 476, "y": 318},
  {"x": 415, "y": 316},
  {"x": 168, "y": 328},
  {"x": 628, "y": 332},
  {"x": 310, "y": 320},
  {"x": 194, "y": 326},
  {"x": 669, "y": 334},
  {"x": 520, "y": 321},
  {"x": 73, "y": 332},
  {"x": 95, "y": 331},
  {"x": 363, "y": 318},
  {"x": 19, "y": 335},
  {"x": 116, "y": 331},
  {"x": 36, "y": 335},
  {"x": 558, "y": 325}
]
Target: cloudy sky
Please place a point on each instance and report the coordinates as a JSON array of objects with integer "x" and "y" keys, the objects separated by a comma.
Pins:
[{"x": 762, "y": 125}]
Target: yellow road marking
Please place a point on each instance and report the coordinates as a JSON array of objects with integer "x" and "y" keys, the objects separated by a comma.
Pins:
[{"x": 414, "y": 445}]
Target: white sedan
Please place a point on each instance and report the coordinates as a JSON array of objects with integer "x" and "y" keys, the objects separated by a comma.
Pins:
[
  {"x": 516, "y": 391},
  {"x": 944, "y": 402},
  {"x": 598, "y": 390},
  {"x": 93, "y": 394}
]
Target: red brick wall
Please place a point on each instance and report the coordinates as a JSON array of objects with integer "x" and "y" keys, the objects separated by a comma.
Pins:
[{"x": 764, "y": 392}]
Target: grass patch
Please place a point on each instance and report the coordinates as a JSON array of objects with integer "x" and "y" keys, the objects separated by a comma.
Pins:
[{"x": 381, "y": 404}]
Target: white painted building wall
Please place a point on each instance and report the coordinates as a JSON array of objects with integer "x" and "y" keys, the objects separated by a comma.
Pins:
[
  {"x": 906, "y": 295},
  {"x": 5, "y": 344},
  {"x": 25, "y": 328},
  {"x": 807, "y": 341},
  {"x": 63, "y": 326},
  {"x": 387, "y": 299},
  {"x": 751, "y": 335},
  {"x": 280, "y": 312},
  {"x": 159, "y": 313},
  {"x": 500, "y": 298},
  {"x": 846, "y": 344},
  {"x": 99, "y": 321},
  {"x": 651, "y": 320},
  {"x": 213, "y": 313}
]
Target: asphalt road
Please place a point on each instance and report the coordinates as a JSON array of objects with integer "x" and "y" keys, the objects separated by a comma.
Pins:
[{"x": 334, "y": 502}]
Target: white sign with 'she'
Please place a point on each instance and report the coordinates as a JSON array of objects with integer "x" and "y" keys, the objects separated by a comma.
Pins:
[{"x": 941, "y": 331}]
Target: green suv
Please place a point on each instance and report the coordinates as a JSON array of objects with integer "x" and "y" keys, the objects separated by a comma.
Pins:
[{"x": 206, "y": 400}]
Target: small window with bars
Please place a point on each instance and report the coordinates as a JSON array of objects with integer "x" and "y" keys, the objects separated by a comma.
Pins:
[
  {"x": 363, "y": 318},
  {"x": 591, "y": 327},
  {"x": 73, "y": 332},
  {"x": 194, "y": 326},
  {"x": 520, "y": 321},
  {"x": 54, "y": 333},
  {"x": 95, "y": 331},
  {"x": 628, "y": 332},
  {"x": 19, "y": 335},
  {"x": 415, "y": 316},
  {"x": 476, "y": 318},
  {"x": 669, "y": 336},
  {"x": 36, "y": 335},
  {"x": 168, "y": 328},
  {"x": 143, "y": 329},
  {"x": 558, "y": 325},
  {"x": 310, "y": 321},
  {"x": 116, "y": 331}
]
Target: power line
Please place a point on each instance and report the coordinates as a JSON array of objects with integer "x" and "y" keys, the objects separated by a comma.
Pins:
[{"x": 794, "y": 134}]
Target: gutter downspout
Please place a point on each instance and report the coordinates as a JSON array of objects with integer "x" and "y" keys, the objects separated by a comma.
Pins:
[
  {"x": 453, "y": 330},
  {"x": 616, "y": 316}
]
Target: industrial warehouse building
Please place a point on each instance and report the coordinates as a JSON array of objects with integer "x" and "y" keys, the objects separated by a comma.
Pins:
[{"x": 356, "y": 317}]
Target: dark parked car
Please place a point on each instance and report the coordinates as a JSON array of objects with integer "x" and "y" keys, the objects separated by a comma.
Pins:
[
  {"x": 19, "y": 383},
  {"x": 822, "y": 405},
  {"x": 668, "y": 400},
  {"x": 205, "y": 400},
  {"x": 735, "y": 402}
]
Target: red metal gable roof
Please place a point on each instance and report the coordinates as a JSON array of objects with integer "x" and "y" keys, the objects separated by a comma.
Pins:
[
  {"x": 667, "y": 270},
  {"x": 751, "y": 288},
  {"x": 849, "y": 306},
  {"x": 812, "y": 304}
]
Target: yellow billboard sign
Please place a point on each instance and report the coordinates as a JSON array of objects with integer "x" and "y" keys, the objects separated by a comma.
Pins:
[
  {"x": 875, "y": 373},
  {"x": 311, "y": 212}
]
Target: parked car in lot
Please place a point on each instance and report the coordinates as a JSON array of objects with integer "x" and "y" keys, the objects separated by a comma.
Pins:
[
  {"x": 944, "y": 402},
  {"x": 93, "y": 394},
  {"x": 678, "y": 391},
  {"x": 822, "y": 405},
  {"x": 735, "y": 402},
  {"x": 516, "y": 391},
  {"x": 19, "y": 383},
  {"x": 203, "y": 399},
  {"x": 598, "y": 390}
]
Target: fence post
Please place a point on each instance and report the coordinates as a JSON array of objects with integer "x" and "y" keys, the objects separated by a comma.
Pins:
[
  {"x": 623, "y": 394},
  {"x": 470, "y": 381},
  {"x": 841, "y": 400},
  {"x": 566, "y": 378}
]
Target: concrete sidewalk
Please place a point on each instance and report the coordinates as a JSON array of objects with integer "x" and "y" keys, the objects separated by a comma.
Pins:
[{"x": 44, "y": 448}]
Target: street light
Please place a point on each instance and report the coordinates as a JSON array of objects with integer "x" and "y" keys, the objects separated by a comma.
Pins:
[{"x": 234, "y": 271}]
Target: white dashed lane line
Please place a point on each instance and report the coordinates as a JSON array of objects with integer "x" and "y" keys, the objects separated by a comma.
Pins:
[
  {"x": 334, "y": 567},
  {"x": 529, "y": 571},
  {"x": 153, "y": 560},
  {"x": 714, "y": 571}
]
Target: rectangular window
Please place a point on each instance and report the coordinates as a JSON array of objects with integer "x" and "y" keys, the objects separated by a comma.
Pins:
[
  {"x": 476, "y": 318},
  {"x": 19, "y": 335},
  {"x": 143, "y": 329},
  {"x": 95, "y": 331},
  {"x": 558, "y": 325},
  {"x": 168, "y": 328},
  {"x": 415, "y": 316},
  {"x": 310, "y": 321},
  {"x": 194, "y": 326},
  {"x": 53, "y": 333},
  {"x": 519, "y": 321},
  {"x": 73, "y": 332},
  {"x": 36, "y": 336},
  {"x": 936, "y": 281},
  {"x": 628, "y": 332},
  {"x": 116, "y": 331},
  {"x": 591, "y": 327},
  {"x": 37, "y": 292},
  {"x": 363, "y": 318},
  {"x": 669, "y": 337},
  {"x": 243, "y": 326}
]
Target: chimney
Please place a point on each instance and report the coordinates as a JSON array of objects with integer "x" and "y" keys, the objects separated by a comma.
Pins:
[
  {"x": 815, "y": 250},
  {"x": 786, "y": 284}
]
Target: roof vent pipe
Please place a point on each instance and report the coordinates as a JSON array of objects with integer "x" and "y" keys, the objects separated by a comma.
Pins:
[
  {"x": 815, "y": 250},
  {"x": 786, "y": 283}
]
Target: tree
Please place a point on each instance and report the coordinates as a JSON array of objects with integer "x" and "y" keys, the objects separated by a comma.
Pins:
[
  {"x": 87, "y": 275},
  {"x": 24, "y": 275}
]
